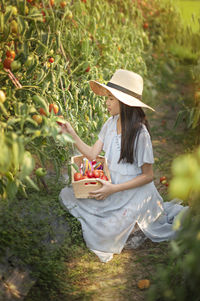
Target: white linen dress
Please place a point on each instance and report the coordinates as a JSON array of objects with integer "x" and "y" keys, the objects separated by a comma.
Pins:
[{"x": 107, "y": 224}]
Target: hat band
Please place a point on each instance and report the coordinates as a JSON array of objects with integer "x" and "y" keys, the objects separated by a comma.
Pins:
[{"x": 124, "y": 90}]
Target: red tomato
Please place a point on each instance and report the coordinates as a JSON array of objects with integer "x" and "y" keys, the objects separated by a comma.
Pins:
[
  {"x": 42, "y": 111},
  {"x": 7, "y": 62},
  {"x": 58, "y": 122},
  {"x": 77, "y": 176},
  {"x": 10, "y": 53},
  {"x": 104, "y": 178},
  {"x": 96, "y": 173},
  {"x": 53, "y": 107},
  {"x": 63, "y": 4},
  {"x": 88, "y": 69},
  {"x": 101, "y": 173},
  {"x": 90, "y": 174},
  {"x": 51, "y": 60},
  {"x": 51, "y": 2},
  {"x": 163, "y": 179}
]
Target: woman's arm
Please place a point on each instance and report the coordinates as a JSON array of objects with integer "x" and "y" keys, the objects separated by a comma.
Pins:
[
  {"x": 108, "y": 188},
  {"x": 91, "y": 152},
  {"x": 145, "y": 178}
]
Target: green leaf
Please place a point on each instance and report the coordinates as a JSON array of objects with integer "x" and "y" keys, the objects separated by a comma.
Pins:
[
  {"x": 64, "y": 139},
  {"x": 27, "y": 165},
  {"x": 11, "y": 189},
  {"x": 5, "y": 155},
  {"x": 41, "y": 102},
  {"x": 75, "y": 166},
  {"x": 31, "y": 183}
]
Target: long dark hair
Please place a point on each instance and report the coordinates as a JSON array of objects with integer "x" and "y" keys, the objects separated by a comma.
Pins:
[{"x": 132, "y": 119}]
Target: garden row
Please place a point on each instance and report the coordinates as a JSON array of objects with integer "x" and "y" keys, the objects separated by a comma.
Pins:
[{"x": 49, "y": 51}]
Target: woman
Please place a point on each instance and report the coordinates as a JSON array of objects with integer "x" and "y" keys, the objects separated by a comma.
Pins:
[{"x": 110, "y": 216}]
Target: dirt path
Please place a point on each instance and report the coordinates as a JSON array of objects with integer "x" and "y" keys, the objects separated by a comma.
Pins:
[{"x": 117, "y": 280}]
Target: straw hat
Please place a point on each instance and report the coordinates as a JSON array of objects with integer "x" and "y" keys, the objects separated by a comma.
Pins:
[{"x": 125, "y": 85}]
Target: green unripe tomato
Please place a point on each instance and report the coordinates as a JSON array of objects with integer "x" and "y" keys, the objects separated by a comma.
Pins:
[
  {"x": 40, "y": 172},
  {"x": 2, "y": 96},
  {"x": 29, "y": 62},
  {"x": 14, "y": 27},
  {"x": 15, "y": 65},
  {"x": 14, "y": 10}
]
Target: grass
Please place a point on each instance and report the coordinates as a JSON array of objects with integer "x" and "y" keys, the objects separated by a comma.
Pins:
[{"x": 190, "y": 11}]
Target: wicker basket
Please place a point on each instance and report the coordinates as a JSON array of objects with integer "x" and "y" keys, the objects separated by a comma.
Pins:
[{"x": 83, "y": 187}]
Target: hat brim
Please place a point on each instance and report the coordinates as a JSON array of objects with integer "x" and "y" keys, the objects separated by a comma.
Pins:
[{"x": 101, "y": 90}]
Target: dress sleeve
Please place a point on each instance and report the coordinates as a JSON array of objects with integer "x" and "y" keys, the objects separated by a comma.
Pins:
[{"x": 144, "y": 150}]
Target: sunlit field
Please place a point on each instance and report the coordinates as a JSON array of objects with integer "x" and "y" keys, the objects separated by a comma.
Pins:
[{"x": 190, "y": 11}]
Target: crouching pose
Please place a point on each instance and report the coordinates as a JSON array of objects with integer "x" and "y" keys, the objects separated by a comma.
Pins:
[{"x": 109, "y": 217}]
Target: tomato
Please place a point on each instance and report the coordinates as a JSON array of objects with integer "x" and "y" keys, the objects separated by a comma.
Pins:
[
  {"x": 14, "y": 10},
  {"x": 77, "y": 176},
  {"x": 105, "y": 178},
  {"x": 145, "y": 25},
  {"x": 101, "y": 173},
  {"x": 37, "y": 118},
  {"x": 14, "y": 26},
  {"x": 58, "y": 122},
  {"x": 40, "y": 172},
  {"x": 52, "y": 2},
  {"x": 2, "y": 96},
  {"x": 90, "y": 174},
  {"x": 42, "y": 112},
  {"x": 163, "y": 179},
  {"x": 10, "y": 53},
  {"x": 15, "y": 65},
  {"x": 96, "y": 173},
  {"x": 88, "y": 69},
  {"x": 51, "y": 60},
  {"x": 53, "y": 107},
  {"x": 29, "y": 62},
  {"x": 63, "y": 4},
  {"x": 7, "y": 62}
]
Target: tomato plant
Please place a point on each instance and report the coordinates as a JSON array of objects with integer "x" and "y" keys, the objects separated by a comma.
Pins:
[{"x": 48, "y": 56}]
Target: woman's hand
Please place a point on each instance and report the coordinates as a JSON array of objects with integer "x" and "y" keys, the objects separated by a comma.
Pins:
[
  {"x": 104, "y": 191},
  {"x": 67, "y": 128}
]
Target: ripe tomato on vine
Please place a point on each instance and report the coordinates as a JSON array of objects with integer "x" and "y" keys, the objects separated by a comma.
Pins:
[{"x": 51, "y": 60}]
